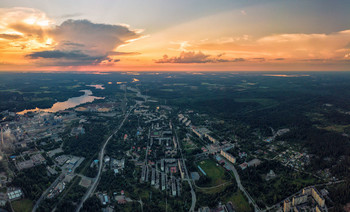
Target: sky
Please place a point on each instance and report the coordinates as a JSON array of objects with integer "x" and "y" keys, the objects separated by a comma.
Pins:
[{"x": 183, "y": 35}]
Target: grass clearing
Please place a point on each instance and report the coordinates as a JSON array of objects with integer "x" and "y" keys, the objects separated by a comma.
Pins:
[
  {"x": 188, "y": 145},
  {"x": 213, "y": 171},
  {"x": 213, "y": 190},
  {"x": 23, "y": 205},
  {"x": 239, "y": 202},
  {"x": 73, "y": 86},
  {"x": 335, "y": 128}
]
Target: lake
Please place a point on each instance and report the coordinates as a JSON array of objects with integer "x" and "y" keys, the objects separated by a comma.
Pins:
[
  {"x": 70, "y": 103},
  {"x": 97, "y": 86}
]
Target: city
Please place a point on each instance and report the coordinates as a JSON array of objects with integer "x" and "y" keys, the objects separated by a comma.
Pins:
[
  {"x": 134, "y": 153},
  {"x": 174, "y": 106}
]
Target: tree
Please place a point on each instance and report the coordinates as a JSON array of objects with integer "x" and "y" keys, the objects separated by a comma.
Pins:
[{"x": 92, "y": 204}]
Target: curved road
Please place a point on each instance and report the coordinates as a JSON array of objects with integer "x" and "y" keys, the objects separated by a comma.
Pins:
[
  {"x": 100, "y": 157},
  {"x": 240, "y": 186}
]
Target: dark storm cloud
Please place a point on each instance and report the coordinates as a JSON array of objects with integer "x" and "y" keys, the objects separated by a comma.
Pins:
[
  {"x": 61, "y": 54},
  {"x": 72, "y": 58}
]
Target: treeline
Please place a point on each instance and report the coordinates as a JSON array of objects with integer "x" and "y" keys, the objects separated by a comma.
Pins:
[
  {"x": 92, "y": 204},
  {"x": 212, "y": 199},
  {"x": 115, "y": 183},
  {"x": 322, "y": 144},
  {"x": 33, "y": 181},
  {"x": 340, "y": 195},
  {"x": 72, "y": 197},
  {"x": 286, "y": 182},
  {"x": 86, "y": 145}
]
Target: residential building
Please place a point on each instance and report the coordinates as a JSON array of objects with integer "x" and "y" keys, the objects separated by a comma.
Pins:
[{"x": 228, "y": 156}]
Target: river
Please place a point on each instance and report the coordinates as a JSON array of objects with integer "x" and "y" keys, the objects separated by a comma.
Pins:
[{"x": 70, "y": 103}]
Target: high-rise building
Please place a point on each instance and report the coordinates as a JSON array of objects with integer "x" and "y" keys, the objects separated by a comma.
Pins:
[{"x": 287, "y": 205}]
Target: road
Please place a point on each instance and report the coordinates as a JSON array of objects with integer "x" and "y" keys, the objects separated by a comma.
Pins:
[
  {"x": 92, "y": 188},
  {"x": 193, "y": 193},
  {"x": 44, "y": 194},
  {"x": 240, "y": 186},
  {"x": 58, "y": 179},
  {"x": 290, "y": 196}
]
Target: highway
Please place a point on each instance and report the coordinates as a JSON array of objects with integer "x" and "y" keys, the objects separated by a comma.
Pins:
[{"x": 92, "y": 188}]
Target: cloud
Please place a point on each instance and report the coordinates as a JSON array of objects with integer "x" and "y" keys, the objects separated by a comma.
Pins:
[
  {"x": 315, "y": 60},
  {"x": 291, "y": 47},
  {"x": 87, "y": 42},
  {"x": 182, "y": 45},
  {"x": 59, "y": 54},
  {"x": 347, "y": 46},
  {"x": 94, "y": 42},
  {"x": 72, "y": 15},
  {"x": 73, "y": 41},
  {"x": 124, "y": 53},
  {"x": 259, "y": 59},
  {"x": 30, "y": 16},
  {"x": 243, "y": 12},
  {"x": 67, "y": 57},
  {"x": 10, "y": 36},
  {"x": 97, "y": 38},
  {"x": 231, "y": 60},
  {"x": 186, "y": 57},
  {"x": 199, "y": 57},
  {"x": 68, "y": 43},
  {"x": 34, "y": 31}
]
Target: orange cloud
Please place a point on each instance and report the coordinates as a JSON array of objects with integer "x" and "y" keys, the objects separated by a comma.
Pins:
[
  {"x": 30, "y": 36},
  {"x": 193, "y": 57},
  {"x": 295, "y": 47}
]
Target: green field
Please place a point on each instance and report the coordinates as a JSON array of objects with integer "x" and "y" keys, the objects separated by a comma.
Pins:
[
  {"x": 214, "y": 172},
  {"x": 189, "y": 146},
  {"x": 23, "y": 205},
  {"x": 239, "y": 202}
]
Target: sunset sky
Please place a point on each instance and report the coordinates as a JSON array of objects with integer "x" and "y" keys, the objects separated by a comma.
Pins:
[{"x": 185, "y": 35}]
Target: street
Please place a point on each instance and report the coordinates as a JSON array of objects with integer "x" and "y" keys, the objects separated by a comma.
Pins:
[
  {"x": 193, "y": 193},
  {"x": 92, "y": 188},
  {"x": 240, "y": 186},
  {"x": 44, "y": 194}
]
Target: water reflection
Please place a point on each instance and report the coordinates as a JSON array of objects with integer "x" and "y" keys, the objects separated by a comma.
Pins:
[
  {"x": 97, "y": 86},
  {"x": 70, "y": 103}
]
